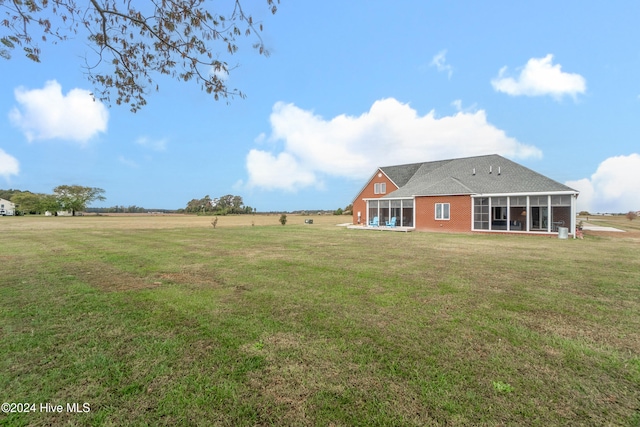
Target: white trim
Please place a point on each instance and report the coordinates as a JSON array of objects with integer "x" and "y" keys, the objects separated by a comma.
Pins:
[
  {"x": 366, "y": 199},
  {"x": 508, "y": 213},
  {"x": 529, "y": 193},
  {"x": 574, "y": 208},
  {"x": 379, "y": 188},
  {"x": 435, "y": 211},
  {"x": 375, "y": 175}
]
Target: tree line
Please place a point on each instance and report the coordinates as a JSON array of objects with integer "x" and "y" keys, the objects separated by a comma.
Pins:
[
  {"x": 224, "y": 205},
  {"x": 69, "y": 198},
  {"x": 127, "y": 209}
]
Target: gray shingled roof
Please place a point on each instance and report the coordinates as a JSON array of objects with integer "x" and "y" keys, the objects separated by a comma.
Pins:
[{"x": 493, "y": 174}]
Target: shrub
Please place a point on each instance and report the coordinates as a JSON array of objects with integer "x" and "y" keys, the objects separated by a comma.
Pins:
[
  {"x": 631, "y": 215},
  {"x": 283, "y": 219}
]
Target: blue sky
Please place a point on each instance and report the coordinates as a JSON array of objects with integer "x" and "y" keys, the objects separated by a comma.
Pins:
[{"x": 349, "y": 86}]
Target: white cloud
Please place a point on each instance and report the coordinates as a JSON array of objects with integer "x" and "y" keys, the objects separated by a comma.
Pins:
[
  {"x": 153, "y": 144},
  {"x": 613, "y": 188},
  {"x": 48, "y": 114},
  {"x": 352, "y": 147},
  {"x": 440, "y": 62},
  {"x": 281, "y": 171},
  {"x": 127, "y": 162},
  {"x": 9, "y": 165},
  {"x": 540, "y": 77},
  {"x": 220, "y": 73}
]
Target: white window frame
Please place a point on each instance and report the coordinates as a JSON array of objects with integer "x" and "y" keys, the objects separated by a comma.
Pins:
[
  {"x": 501, "y": 209},
  {"x": 442, "y": 211},
  {"x": 380, "y": 188}
]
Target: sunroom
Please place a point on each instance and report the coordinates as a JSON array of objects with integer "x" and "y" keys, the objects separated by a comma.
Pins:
[
  {"x": 401, "y": 209},
  {"x": 544, "y": 213}
]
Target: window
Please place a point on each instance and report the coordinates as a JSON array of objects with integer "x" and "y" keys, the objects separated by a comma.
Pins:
[
  {"x": 518, "y": 200},
  {"x": 500, "y": 213},
  {"x": 442, "y": 210},
  {"x": 384, "y": 211},
  {"x": 561, "y": 200},
  {"x": 407, "y": 213},
  {"x": 396, "y": 211},
  {"x": 380, "y": 188},
  {"x": 481, "y": 213},
  {"x": 373, "y": 209}
]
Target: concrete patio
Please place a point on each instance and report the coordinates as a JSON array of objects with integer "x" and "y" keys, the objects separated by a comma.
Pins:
[{"x": 380, "y": 228}]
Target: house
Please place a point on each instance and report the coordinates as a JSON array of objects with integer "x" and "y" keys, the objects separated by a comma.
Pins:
[
  {"x": 7, "y": 208},
  {"x": 481, "y": 194},
  {"x": 58, "y": 213}
]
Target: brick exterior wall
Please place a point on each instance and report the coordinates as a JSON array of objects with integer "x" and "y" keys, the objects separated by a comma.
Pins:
[
  {"x": 562, "y": 214},
  {"x": 459, "y": 211},
  {"x": 359, "y": 205}
]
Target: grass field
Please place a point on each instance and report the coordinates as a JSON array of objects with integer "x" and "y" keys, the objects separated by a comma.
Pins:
[{"x": 164, "y": 320}]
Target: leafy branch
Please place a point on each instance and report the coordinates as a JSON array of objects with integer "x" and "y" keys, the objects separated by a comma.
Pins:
[{"x": 183, "y": 39}]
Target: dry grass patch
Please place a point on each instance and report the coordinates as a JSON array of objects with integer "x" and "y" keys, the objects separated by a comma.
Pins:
[
  {"x": 109, "y": 278},
  {"x": 304, "y": 376},
  {"x": 104, "y": 223}
]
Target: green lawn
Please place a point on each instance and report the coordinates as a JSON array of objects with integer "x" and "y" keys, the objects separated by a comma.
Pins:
[{"x": 316, "y": 325}]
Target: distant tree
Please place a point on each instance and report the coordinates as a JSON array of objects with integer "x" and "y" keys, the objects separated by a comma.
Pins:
[
  {"x": 7, "y": 194},
  {"x": 283, "y": 219},
  {"x": 193, "y": 206},
  {"x": 338, "y": 211},
  {"x": 75, "y": 198},
  {"x": 224, "y": 205},
  {"x": 631, "y": 215},
  {"x": 236, "y": 204},
  {"x": 35, "y": 203},
  {"x": 135, "y": 41},
  {"x": 49, "y": 202},
  {"x": 134, "y": 209},
  {"x": 349, "y": 209},
  {"x": 26, "y": 202},
  {"x": 583, "y": 213}
]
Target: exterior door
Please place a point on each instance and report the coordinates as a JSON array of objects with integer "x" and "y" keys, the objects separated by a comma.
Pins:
[{"x": 539, "y": 217}]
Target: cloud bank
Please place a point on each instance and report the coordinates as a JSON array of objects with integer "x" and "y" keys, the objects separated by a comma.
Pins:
[
  {"x": 613, "y": 188},
  {"x": 9, "y": 165},
  {"x": 539, "y": 78},
  {"x": 47, "y": 113},
  {"x": 391, "y": 132}
]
